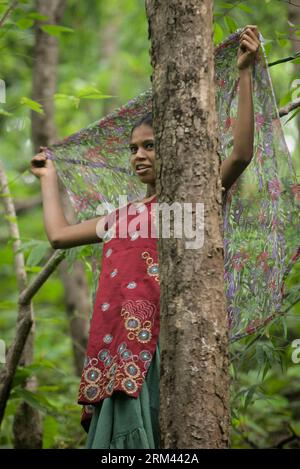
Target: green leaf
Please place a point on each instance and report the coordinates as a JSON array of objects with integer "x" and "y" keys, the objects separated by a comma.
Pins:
[
  {"x": 285, "y": 99},
  {"x": 74, "y": 99},
  {"x": 5, "y": 113},
  {"x": 218, "y": 33},
  {"x": 34, "y": 270},
  {"x": 282, "y": 42},
  {"x": 96, "y": 96},
  {"x": 231, "y": 24},
  {"x": 25, "y": 23},
  {"x": 65, "y": 96},
  {"x": 292, "y": 116},
  {"x": 284, "y": 326},
  {"x": 38, "y": 401},
  {"x": 244, "y": 7},
  {"x": 265, "y": 371},
  {"x": 42, "y": 363},
  {"x": 260, "y": 355},
  {"x": 37, "y": 254},
  {"x": 20, "y": 376},
  {"x": 31, "y": 104},
  {"x": 37, "y": 16},
  {"x": 88, "y": 91},
  {"x": 249, "y": 396},
  {"x": 48, "y": 388},
  {"x": 225, "y": 5},
  {"x": 55, "y": 30},
  {"x": 268, "y": 47},
  {"x": 50, "y": 431}
]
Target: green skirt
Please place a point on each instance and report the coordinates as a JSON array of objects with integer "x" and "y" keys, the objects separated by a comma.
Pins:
[{"x": 124, "y": 422}]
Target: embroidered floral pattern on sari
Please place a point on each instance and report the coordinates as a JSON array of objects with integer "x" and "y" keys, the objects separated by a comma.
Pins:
[
  {"x": 139, "y": 319},
  {"x": 152, "y": 267}
]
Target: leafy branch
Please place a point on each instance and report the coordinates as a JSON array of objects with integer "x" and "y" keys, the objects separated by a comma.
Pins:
[{"x": 8, "y": 12}]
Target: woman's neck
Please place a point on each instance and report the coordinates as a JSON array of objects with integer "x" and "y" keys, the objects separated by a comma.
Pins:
[
  {"x": 150, "y": 193},
  {"x": 150, "y": 190}
]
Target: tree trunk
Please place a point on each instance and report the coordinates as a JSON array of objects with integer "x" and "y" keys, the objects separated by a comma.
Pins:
[
  {"x": 194, "y": 345},
  {"x": 44, "y": 133},
  {"x": 108, "y": 53},
  {"x": 27, "y": 427}
]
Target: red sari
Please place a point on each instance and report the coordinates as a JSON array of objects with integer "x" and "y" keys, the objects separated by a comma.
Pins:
[{"x": 125, "y": 323}]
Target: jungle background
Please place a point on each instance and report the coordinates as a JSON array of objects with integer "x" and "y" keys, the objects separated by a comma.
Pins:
[{"x": 103, "y": 62}]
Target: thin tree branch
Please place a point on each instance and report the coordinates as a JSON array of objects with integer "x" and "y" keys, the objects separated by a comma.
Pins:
[
  {"x": 13, "y": 229},
  {"x": 42, "y": 276},
  {"x": 25, "y": 313},
  {"x": 291, "y": 3},
  {"x": 25, "y": 318},
  {"x": 285, "y": 59},
  {"x": 289, "y": 107},
  {"x": 8, "y": 12}
]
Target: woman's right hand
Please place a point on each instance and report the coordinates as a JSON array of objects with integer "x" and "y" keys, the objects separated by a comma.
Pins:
[{"x": 41, "y": 166}]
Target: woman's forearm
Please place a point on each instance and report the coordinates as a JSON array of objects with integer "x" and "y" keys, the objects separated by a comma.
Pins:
[
  {"x": 54, "y": 219},
  {"x": 244, "y": 126},
  {"x": 60, "y": 233}
]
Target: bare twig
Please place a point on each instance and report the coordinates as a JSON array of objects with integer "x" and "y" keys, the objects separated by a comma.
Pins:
[
  {"x": 8, "y": 12},
  {"x": 285, "y": 59},
  {"x": 289, "y": 107},
  {"x": 42, "y": 276}
]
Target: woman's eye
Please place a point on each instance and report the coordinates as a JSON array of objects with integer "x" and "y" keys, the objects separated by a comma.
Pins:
[
  {"x": 149, "y": 146},
  {"x": 132, "y": 150}
]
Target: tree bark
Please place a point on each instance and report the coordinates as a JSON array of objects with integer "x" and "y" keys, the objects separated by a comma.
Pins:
[
  {"x": 194, "y": 345},
  {"x": 44, "y": 133}
]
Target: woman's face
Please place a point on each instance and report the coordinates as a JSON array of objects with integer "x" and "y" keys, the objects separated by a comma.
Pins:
[{"x": 142, "y": 153}]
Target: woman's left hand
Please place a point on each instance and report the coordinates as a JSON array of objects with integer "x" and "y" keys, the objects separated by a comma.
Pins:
[{"x": 249, "y": 45}]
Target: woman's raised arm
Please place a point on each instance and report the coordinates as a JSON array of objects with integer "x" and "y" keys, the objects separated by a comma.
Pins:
[{"x": 60, "y": 233}]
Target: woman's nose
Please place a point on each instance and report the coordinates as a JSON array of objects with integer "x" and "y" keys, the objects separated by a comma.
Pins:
[{"x": 140, "y": 153}]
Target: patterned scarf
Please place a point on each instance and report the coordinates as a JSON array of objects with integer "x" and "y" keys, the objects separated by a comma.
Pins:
[{"x": 260, "y": 211}]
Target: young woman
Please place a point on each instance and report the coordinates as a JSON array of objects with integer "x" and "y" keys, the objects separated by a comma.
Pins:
[{"x": 120, "y": 381}]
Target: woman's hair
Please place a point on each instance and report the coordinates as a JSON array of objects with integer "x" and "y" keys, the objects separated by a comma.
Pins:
[{"x": 147, "y": 119}]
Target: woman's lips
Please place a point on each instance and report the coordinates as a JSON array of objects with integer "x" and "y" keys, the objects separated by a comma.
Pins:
[{"x": 143, "y": 170}]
